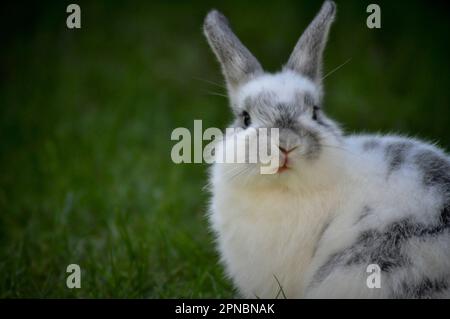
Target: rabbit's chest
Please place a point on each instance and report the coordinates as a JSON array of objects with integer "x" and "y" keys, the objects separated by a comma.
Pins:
[{"x": 266, "y": 242}]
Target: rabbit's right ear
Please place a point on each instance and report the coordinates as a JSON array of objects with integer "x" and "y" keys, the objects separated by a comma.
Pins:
[
  {"x": 306, "y": 58},
  {"x": 238, "y": 64}
]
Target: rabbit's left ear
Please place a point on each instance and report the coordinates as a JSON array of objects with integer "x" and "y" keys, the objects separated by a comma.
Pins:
[
  {"x": 306, "y": 58},
  {"x": 238, "y": 64}
]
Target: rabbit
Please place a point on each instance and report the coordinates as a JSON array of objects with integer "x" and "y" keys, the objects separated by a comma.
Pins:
[{"x": 338, "y": 204}]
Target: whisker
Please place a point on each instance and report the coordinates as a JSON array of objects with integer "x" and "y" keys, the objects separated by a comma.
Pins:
[
  {"x": 209, "y": 81},
  {"x": 239, "y": 172},
  {"x": 229, "y": 175},
  {"x": 216, "y": 93},
  {"x": 335, "y": 69},
  {"x": 339, "y": 148}
]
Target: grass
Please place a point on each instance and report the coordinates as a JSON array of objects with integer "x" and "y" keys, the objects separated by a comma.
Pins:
[{"x": 86, "y": 117}]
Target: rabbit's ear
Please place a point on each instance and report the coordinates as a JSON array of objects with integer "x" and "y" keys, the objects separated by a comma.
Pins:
[
  {"x": 238, "y": 64},
  {"x": 307, "y": 55}
]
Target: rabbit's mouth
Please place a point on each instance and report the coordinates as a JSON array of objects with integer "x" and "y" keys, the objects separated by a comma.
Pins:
[
  {"x": 285, "y": 158},
  {"x": 284, "y": 167}
]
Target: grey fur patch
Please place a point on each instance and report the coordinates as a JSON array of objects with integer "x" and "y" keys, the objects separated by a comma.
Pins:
[
  {"x": 381, "y": 248},
  {"x": 396, "y": 155},
  {"x": 426, "y": 288},
  {"x": 238, "y": 64},
  {"x": 313, "y": 141},
  {"x": 435, "y": 169},
  {"x": 384, "y": 248},
  {"x": 319, "y": 237},
  {"x": 366, "y": 211},
  {"x": 286, "y": 117},
  {"x": 327, "y": 268},
  {"x": 308, "y": 100},
  {"x": 370, "y": 144},
  {"x": 307, "y": 55}
]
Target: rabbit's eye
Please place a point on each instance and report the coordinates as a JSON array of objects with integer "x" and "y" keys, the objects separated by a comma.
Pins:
[
  {"x": 315, "y": 111},
  {"x": 247, "y": 119}
]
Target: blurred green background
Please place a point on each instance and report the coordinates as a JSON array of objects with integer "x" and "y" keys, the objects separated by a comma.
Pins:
[{"x": 86, "y": 117}]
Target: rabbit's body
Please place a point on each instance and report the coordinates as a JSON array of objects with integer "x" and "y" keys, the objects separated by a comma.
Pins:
[
  {"x": 386, "y": 205},
  {"x": 337, "y": 203}
]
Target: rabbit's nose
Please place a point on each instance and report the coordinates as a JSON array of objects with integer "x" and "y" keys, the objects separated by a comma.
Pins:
[
  {"x": 283, "y": 150},
  {"x": 286, "y": 151}
]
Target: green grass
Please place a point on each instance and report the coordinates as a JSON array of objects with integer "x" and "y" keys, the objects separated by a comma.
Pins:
[{"x": 86, "y": 117}]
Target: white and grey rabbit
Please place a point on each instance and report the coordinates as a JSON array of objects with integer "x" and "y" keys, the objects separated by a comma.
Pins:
[{"x": 339, "y": 204}]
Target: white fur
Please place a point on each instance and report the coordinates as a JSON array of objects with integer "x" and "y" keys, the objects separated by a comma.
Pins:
[{"x": 286, "y": 84}]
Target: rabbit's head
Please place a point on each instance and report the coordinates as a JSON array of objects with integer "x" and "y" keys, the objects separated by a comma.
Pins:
[{"x": 290, "y": 100}]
